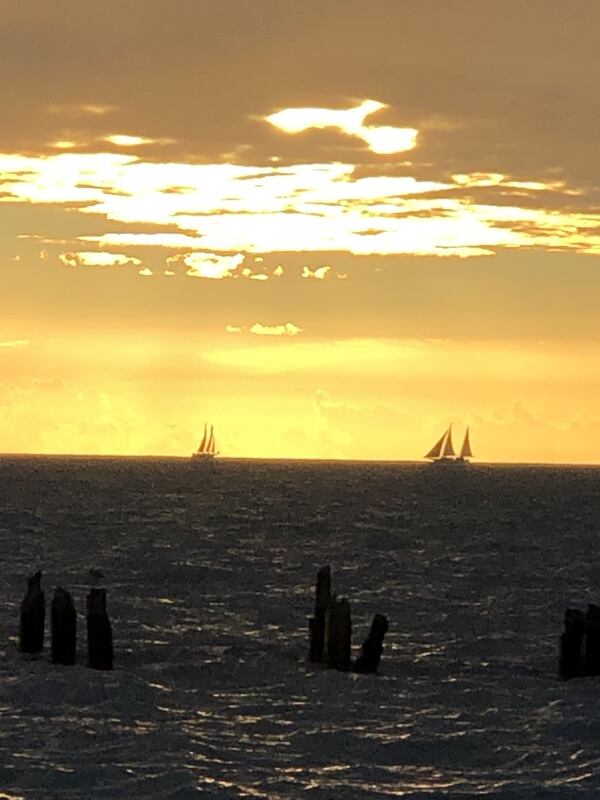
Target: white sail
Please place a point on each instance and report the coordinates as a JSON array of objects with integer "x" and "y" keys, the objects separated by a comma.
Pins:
[
  {"x": 437, "y": 447},
  {"x": 465, "y": 450},
  {"x": 448, "y": 449}
]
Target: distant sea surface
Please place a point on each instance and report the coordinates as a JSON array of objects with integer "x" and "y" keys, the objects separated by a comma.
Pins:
[{"x": 210, "y": 576}]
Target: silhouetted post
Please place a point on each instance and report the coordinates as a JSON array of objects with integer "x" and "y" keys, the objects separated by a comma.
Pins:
[
  {"x": 591, "y": 642},
  {"x": 33, "y": 616},
  {"x": 316, "y": 624},
  {"x": 368, "y": 660},
  {"x": 63, "y": 629},
  {"x": 338, "y": 634},
  {"x": 99, "y": 632},
  {"x": 571, "y": 645}
]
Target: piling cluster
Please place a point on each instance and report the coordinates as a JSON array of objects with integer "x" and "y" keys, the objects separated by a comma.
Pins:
[
  {"x": 580, "y": 643},
  {"x": 331, "y": 632},
  {"x": 330, "y": 628},
  {"x": 63, "y": 625}
]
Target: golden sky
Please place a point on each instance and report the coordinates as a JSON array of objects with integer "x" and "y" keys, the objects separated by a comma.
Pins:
[{"x": 329, "y": 228}]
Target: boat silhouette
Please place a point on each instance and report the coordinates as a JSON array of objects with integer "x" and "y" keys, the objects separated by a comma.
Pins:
[
  {"x": 443, "y": 450},
  {"x": 207, "y": 450}
]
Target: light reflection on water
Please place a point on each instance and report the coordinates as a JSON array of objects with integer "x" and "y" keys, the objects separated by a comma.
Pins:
[{"x": 209, "y": 590}]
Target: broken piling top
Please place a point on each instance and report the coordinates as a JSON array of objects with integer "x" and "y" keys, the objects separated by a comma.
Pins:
[
  {"x": 62, "y": 602},
  {"x": 368, "y": 660},
  {"x": 96, "y": 601},
  {"x": 323, "y": 590},
  {"x": 592, "y": 618},
  {"x": 379, "y": 627},
  {"x": 591, "y": 641},
  {"x": 571, "y": 660},
  {"x": 99, "y": 631},
  {"x": 61, "y": 597},
  {"x": 34, "y": 582},
  {"x": 32, "y": 616},
  {"x": 63, "y": 628}
]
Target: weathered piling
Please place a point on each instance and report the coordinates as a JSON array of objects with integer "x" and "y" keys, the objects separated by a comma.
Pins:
[
  {"x": 591, "y": 641},
  {"x": 338, "y": 634},
  {"x": 33, "y": 616},
  {"x": 331, "y": 631},
  {"x": 99, "y": 631},
  {"x": 63, "y": 628},
  {"x": 571, "y": 662},
  {"x": 368, "y": 660},
  {"x": 316, "y": 624}
]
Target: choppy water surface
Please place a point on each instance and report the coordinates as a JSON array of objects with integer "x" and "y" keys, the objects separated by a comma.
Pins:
[{"x": 210, "y": 578}]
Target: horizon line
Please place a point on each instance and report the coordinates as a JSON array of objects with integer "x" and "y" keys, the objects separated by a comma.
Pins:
[{"x": 415, "y": 461}]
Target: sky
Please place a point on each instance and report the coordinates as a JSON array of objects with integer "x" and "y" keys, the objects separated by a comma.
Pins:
[{"x": 329, "y": 229}]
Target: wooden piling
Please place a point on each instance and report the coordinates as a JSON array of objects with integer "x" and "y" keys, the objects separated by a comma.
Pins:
[
  {"x": 99, "y": 631},
  {"x": 63, "y": 628},
  {"x": 316, "y": 624},
  {"x": 32, "y": 616},
  {"x": 338, "y": 634},
  {"x": 368, "y": 660},
  {"x": 571, "y": 662},
  {"x": 591, "y": 641}
]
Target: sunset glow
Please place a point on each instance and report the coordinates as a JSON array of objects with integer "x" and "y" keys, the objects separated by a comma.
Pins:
[{"x": 333, "y": 258}]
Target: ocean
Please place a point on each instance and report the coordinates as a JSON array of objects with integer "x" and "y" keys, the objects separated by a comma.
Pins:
[{"x": 210, "y": 576}]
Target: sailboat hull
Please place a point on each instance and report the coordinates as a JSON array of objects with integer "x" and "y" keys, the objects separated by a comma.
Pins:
[
  {"x": 451, "y": 461},
  {"x": 202, "y": 458}
]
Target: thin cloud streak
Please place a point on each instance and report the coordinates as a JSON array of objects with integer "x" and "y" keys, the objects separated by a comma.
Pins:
[
  {"x": 94, "y": 259},
  {"x": 208, "y": 265},
  {"x": 286, "y": 329},
  {"x": 258, "y": 329}
]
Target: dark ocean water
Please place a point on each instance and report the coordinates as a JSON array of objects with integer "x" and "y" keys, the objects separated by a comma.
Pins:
[{"x": 210, "y": 575}]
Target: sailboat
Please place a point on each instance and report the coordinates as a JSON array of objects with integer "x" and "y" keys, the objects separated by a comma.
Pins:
[
  {"x": 442, "y": 451},
  {"x": 207, "y": 449}
]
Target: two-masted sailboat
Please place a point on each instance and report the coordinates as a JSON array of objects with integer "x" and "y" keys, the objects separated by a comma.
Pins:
[
  {"x": 207, "y": 449},
  {"x": 442, "y": 451}
]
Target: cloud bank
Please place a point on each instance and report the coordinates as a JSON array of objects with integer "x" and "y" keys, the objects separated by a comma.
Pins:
[{"x": 224, "y": 208}]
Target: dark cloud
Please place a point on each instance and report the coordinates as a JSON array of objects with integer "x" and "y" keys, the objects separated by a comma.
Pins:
[{"x": 494, "y": 86}]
